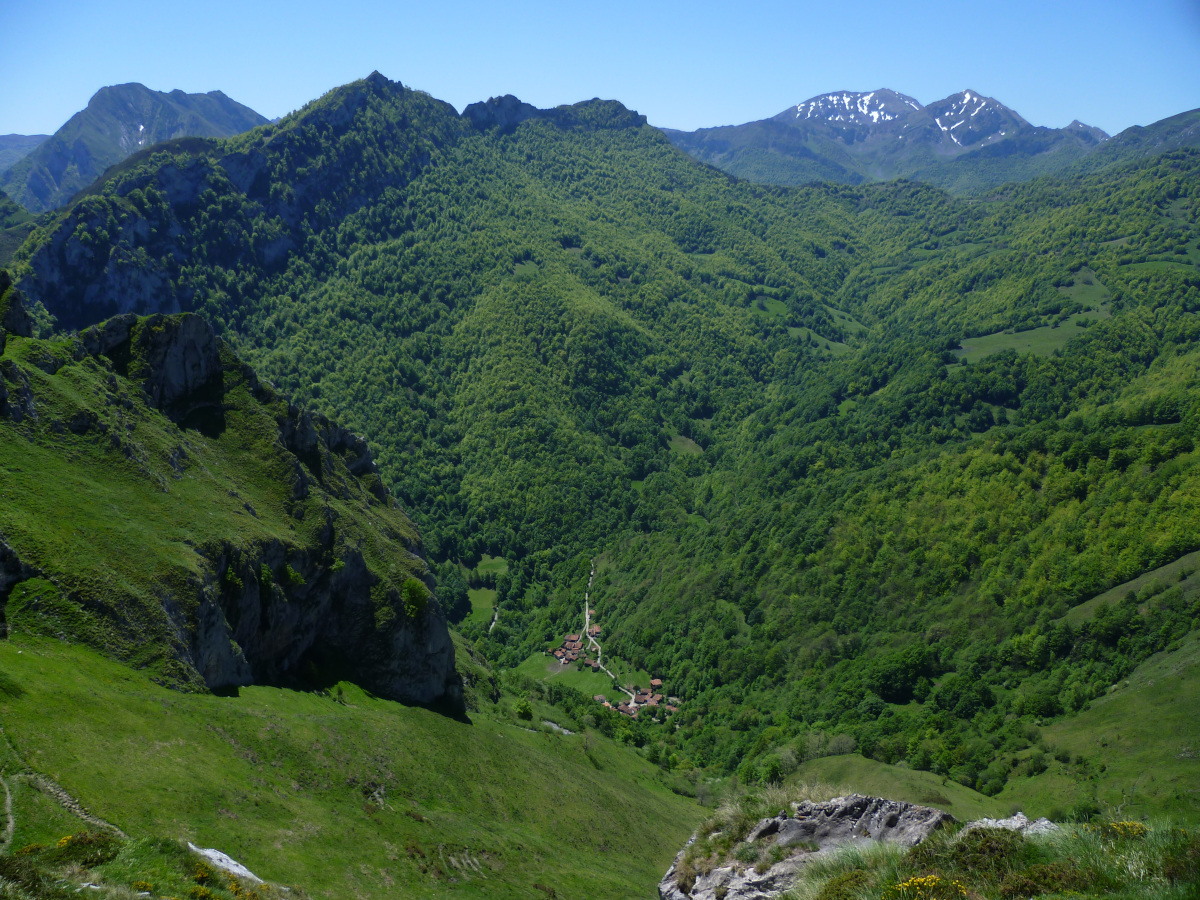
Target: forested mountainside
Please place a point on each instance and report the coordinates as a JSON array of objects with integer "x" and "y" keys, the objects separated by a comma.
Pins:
[
  {"x": 847, "y": 456},
  {"x": 163, "y": 506},
  {"x": 966, "y": 143},
  {"x": 119, "y": 121}
]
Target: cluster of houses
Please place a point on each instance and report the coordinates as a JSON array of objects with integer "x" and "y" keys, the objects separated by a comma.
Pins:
[
  {"x": 572, "y": 648},
  {"x": 650, "y": 700}
]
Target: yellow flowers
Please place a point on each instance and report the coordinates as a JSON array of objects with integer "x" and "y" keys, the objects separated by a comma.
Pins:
[
  {"x": 62, "y": 842},
  {"x": 1118, "y": 830},
  {"x": 926, "y": 887}
]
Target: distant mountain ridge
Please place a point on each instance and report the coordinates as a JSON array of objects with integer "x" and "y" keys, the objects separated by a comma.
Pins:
[
  {"x": 13, "y": 147},
  {"x": 964, "y": 142},
  {"x": 118, "y": 121}
]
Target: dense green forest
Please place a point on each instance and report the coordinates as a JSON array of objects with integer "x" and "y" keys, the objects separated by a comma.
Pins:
[{"x": 847, "y": 456}]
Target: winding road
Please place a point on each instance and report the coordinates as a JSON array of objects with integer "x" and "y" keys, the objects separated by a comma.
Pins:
[{"x": 587, "y": 623}]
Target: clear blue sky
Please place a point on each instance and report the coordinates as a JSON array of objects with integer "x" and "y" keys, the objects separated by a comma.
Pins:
[{"x": 684, "y": 65}]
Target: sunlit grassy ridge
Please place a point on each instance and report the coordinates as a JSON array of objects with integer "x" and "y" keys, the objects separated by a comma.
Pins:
[{"x": 361, "y": 797}]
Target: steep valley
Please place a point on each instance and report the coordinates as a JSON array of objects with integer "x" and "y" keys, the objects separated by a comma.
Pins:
[{"x": 871, "y": 477}]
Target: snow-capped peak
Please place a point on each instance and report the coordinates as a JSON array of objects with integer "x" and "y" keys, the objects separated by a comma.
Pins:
[{"x": 851, "y": 107}]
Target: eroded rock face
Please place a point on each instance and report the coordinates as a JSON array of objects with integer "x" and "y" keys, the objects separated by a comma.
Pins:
[{"x": 810, "y": 831}]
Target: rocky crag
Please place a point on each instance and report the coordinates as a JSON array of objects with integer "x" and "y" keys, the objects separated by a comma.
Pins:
[
  {"x": 786, "y": 843},
  {"x": 162, "y": 504},
  {"x": 790, "y": 841}
]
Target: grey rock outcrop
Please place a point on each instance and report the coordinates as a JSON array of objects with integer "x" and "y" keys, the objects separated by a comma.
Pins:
[
  {"x": 809, "y": 832},
  {"x": 1020, "y": 822},
  {"x": 504, "y": 113}
]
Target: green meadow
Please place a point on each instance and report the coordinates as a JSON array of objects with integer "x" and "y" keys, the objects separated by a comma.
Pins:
[{"x": 340, "y": 794}]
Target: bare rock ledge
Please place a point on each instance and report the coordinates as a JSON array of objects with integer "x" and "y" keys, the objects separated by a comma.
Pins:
[{"x": 811, "y": 831}]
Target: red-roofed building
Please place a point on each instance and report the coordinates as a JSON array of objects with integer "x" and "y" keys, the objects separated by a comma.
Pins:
[{"x": 656, "y": 683}]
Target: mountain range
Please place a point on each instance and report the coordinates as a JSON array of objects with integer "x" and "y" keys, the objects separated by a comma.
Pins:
[
  {"x": 117, "y": 122},
  {"x": 966, "y": 142},
  {"x": 882, "y": 484}
]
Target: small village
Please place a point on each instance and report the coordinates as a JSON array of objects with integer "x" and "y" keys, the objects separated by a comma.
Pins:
[{"x": 650, "y": 700}]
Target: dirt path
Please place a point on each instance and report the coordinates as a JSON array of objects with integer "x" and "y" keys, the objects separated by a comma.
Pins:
[
  {"x": 51, "y": 789},
  {"x": 70, "y": 804},
  {"x": 587, "y": 623},
  {"x": 10, "y": 824}
]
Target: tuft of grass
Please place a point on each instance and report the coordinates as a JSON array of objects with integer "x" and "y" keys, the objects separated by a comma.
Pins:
[{"x": 1160, "y": 862}]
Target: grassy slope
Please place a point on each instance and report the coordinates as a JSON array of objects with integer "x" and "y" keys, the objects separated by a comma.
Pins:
[
  {"x": 129, "y": 508},
  {"x": 283, "y": 781},
  {"x": 1131, "y": 771},
  {"x": 1143, "y": 740}
]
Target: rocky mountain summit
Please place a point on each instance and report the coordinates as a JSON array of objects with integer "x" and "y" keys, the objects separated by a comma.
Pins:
[
  {"x": 964, "y": 141},
  {"x": 119, "y": 120},
  {"x": 222, "y": 535},
  {"x": 952, "y": 125}
]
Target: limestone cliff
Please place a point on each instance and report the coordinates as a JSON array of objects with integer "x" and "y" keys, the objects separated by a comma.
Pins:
[{"x": 222, "y": 535}]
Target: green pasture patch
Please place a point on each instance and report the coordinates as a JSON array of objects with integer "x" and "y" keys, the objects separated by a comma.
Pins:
[
  {"x": 1158, "y": 265},
  {"x": 38, "y": 817},
  {"x": 1183, "y": 570},
  {"x": 496, "y": 565},
  {"x": 685, "y": 445},
  {"x": 546, "y": 668},
  {"x": 846, "y": 320},
  {"x": 1139, "y": 745},
  {"x": 525, "y": 271},
  {"x": 847, "y": 406},
  {"x": 362, "y": 797},
  {"x": 869, "y": 776},
  {"x": 483, "y": 601},
  {"x": 1039, "y": 341},
  {"x": 768, "y": 307},
  {"x": 1089, "y": 291}
]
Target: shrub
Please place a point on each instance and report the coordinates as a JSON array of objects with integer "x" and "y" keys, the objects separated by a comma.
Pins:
[
  {"x": 1052, "y": 878},
  {"x": 22, "y": 872},
  {"x": 85, "y": 848},
  {"x": 926, "y": 887},
  {"x": 415, "y": 596},
  {"x": 844, "y": 886},
  {"x": 1121, "y": 830},
  {"x": 746, "y": 853},
  {"x": 203, "y": 873},
  {"x": 1181, "y": 861},
  {"x": 984, "y": 852},
  {"x": 685, "y": 876}
]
